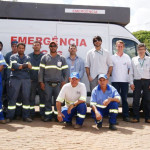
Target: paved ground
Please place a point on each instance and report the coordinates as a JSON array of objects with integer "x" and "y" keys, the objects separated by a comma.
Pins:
[{"x": 19, "y": 135}]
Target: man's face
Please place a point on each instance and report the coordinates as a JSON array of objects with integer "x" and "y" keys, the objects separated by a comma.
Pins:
[
  {"x": 14, "y": 48},
  {"x": 119, "y": 46},
  {"x": 141, "y": 51},
  {"x": 21, "y": 49},
  {"x": 74, "y": 81},
  {"x": 53, "y": 48},
  {"x": 97, "y": 43},
  {"x": 103, "y": 82},
  {"x": 72, "y": 50},
  {"x": 1, "y": 47},
  {"x": 36, "y": 47}
]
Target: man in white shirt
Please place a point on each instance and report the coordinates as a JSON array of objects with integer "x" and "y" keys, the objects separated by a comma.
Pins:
[
  {"x": 74, "y": 94},
  {"x": 120, "y": 76},
  {"x": 140, "y": 81},
  {"x": 98, "y": 61}
]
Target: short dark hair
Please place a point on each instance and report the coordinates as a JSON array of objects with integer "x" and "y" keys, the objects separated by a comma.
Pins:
[
  {"x": 37, "y": 42},
  {"x": 141, "y": 45},
  {"x": 72, "y": 45},
  {"x": 1, "y": 43},
  {"x": 97, "y": 38},
  {"x": 21, "y": 43}
]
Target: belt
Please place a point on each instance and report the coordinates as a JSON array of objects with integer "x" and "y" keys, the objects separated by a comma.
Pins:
[{"x": 53, "y": 84}]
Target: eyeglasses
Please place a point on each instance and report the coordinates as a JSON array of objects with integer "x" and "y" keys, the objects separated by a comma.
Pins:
[
  {"x": 53, "y": 46},
  {"x": 96, "y": 41}
]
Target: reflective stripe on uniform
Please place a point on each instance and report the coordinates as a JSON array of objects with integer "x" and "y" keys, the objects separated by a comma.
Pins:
[
  {"x": 2, "y": 61},
  {"x": 64, "y": 67},
  {"x": 55, "y": 67},
  {"x": 80, "y": 115},
  {"x": 55, "y": 112},
  {"x": 11, "y": 107},
  {"x": 82, "y": 98},
  {"x": 0, "y": 110},
  {"x": 35, "y": 68},
  {"x": 42, "y": 105},
  {"x": 26, "y": 106},
  {"x": 100, "y": 106},
  {"x": 113, "y": 111},
  {"x": 32, "y": 107},
  {"x": 18, "y": 104},
  {"x": 48, "y": 112},
  {"x": 60, "y": 99},
  {"x": 42, "y": 65},
  {"x": 12, "y": 62},
  {"x": 93, "y": 103},
  {"x": 118, "y": 97}
]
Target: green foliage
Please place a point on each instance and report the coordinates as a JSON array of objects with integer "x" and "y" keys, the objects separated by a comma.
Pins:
[{"x": 143, "y": 37}]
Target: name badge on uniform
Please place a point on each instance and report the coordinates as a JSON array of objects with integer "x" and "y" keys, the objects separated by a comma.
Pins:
[{"x": 59, "y": 63}]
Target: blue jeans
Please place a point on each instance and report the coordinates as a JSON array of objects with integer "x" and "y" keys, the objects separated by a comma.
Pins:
[{"x": 122, "y": 88}]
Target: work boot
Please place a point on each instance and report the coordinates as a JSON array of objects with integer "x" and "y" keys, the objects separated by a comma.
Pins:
[
  {"x": 112, "y": 127},
  {"x": 8, "y": 120},
  {"x": 147, "y": 120},
  {"x": 126, "y": 119},
  {"x": 77, "y": 126},
  {"x": 27, "y": 119},
  {"x": 68, "y": 124},
  {"x": 99, "y": 125},
  {"x": 2, "y": 121},
  {"x": 47, "y": 120},
  {"x": 134, "y": 120}
]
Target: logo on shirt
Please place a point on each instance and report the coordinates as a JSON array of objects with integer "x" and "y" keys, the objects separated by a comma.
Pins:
[{"x": 78, "y": 92}]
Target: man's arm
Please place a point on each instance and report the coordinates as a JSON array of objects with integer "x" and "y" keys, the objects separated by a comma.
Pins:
[
  {"x": 88, "y": 74},
  {"x": 109, "y": 71},
  {"x": 97, "y": 114},
  {"x": 82, "y": 70},
  {"x": 41, "y": 73},
  {"x": 60, "y": 114}
]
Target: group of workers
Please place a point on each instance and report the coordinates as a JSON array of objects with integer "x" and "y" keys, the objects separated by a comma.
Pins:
[{"x": 58, "y": 80}]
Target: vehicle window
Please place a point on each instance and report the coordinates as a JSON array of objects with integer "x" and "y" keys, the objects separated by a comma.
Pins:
[{"x": 130, "y": 46}]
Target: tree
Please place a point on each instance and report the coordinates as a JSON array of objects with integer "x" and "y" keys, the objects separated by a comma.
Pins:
[{"x": 143, "y": 37}]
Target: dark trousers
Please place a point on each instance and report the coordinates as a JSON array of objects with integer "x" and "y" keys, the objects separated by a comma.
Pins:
[
  {"x": 122, "y": 88},
  {"x": 49, "y": 92},
  {"x": 141, "y": 85},
  {"x": 15, "y": 86},
  {"x": 35, "y": 87}
]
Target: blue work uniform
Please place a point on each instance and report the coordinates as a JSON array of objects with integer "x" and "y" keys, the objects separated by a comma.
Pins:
[
  {"x": 97, "y": 99},
  {"x": 2, "y": 63},
  {"x": 35, "y": 85},
  {"x": 7, "y": 73},
  {"x": 19, "y": 80}
]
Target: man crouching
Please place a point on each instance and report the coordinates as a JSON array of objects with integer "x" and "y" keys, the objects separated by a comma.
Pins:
[
  {"x": 104, "y": 102},
  {"x": 74, "y": 94}
]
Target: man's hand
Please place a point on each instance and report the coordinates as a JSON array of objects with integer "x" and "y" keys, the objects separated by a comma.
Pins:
[
  {"x": 42, "y": 85},
  {"x": 108, "y": 76},
  {"x": 60, "y": 117},
  {"x": 132, "y": 87},
  {"x": 90, "y": 78},
  {"x": 29, "y": 66},
  {"x": 70, "y": 108},
  {"x": 98, "y": 116},
  {"x": 106, "y": 102}
]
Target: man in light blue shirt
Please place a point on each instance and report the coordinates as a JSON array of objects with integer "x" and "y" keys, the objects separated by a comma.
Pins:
[
  {"x": 75, "y": 63},
  {"x": 104, "y": 102}
]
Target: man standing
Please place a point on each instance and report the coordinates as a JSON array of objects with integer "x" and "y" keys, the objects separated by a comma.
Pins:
[
  {"x": 75, "y": 63},
  {"x": 104, "y": 102},
  {"x": 7, "y": 72},
  {"x": 140, "y": 81},
  {"x": 120, "y": 76},
  {"x": 53, "y": 74},
  {"x": 74, "y": 94},
  {"x": 19, "y": 79},
  {"x": 2, "y": 65},
  {"x": 98, "y": 61},
  {"x": 35, "y": 59}
]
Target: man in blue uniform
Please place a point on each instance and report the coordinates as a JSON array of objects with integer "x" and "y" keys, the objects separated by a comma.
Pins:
[
  {"x": 19, "y": 79},
  {"x": 7, "y": 74},
  {"x": 35, "y": 59},
  {"x": 2, "y": 65},
  {"x": 104, "y": 102}
]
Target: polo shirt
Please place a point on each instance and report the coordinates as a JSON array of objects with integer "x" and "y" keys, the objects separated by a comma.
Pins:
[{"x": 98, "y": 62}]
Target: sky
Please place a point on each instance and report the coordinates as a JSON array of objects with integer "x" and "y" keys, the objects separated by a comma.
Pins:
[{"x": 140, "y": 9}]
